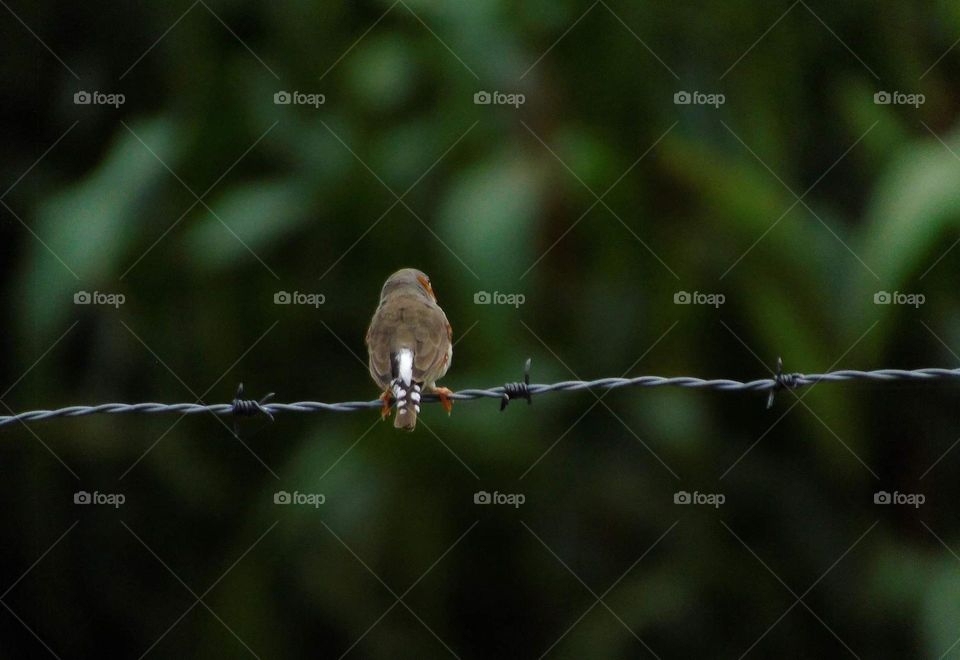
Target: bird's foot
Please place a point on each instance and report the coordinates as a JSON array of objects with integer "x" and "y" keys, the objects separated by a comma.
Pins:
[
  {"x": 386, "y": 397},
  {"x": 445, "y": 399}
]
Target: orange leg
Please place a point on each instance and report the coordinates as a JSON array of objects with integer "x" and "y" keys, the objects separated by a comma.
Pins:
[
  {"x": 445, "y": 399},
  {"x": 386, "y": 397}
]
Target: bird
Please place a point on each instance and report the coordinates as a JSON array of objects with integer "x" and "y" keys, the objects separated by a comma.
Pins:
[{"x": 410, "y": 346}]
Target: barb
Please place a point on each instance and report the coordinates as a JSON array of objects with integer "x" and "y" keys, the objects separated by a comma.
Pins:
[
  {"x": 517, "y": 390},
  {"x": 781, "y": 381},
  {"x": 502, "y": 393},
  {"x": 248, "y": 408}
]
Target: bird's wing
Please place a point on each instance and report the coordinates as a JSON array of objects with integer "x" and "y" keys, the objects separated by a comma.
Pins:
[
  {"x": 433, "y": 336},
  {"x": 379, "y": 342},
  {"x": 414, "y": 324}
]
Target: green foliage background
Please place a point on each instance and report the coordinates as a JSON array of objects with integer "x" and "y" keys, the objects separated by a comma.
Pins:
[{"x": 493, "y": 199}]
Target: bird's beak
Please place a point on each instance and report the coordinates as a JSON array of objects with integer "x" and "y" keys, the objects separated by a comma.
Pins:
[{"x": 425, "y": 283}]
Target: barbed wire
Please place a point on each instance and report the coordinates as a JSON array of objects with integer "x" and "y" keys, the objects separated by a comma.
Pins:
[{"x": 240, "y": 407}]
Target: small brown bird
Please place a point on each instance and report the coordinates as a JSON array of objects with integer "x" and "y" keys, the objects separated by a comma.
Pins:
[{"x": 410, "y": 343}]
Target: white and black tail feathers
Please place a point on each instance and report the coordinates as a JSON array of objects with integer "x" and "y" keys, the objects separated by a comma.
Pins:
[{"x": 406, "y": 391}]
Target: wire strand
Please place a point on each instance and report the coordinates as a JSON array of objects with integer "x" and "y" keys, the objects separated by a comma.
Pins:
[{"x": 241, "y": 407}]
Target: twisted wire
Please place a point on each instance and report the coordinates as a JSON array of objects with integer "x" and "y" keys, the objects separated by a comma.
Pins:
[{"x": 245, "y": 407}]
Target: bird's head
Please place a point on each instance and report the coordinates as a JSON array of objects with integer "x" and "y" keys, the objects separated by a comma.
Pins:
[{"x": 408, "y": 280}]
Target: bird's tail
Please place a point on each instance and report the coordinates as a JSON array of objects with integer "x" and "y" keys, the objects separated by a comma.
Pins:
[{"x": 406, "y": 391}]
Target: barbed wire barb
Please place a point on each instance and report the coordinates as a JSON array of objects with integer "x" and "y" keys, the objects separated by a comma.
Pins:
[
  {"x": 248, "y": 408},
  {"x": 504, "y": 393},
  {"x": 517, "y": 390},
  {"x": 781, "y": 381}
]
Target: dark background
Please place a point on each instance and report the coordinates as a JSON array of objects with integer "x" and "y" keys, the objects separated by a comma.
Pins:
[{"x": 494, "y": 198}]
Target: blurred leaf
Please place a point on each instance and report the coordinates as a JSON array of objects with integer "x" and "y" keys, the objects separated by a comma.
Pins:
[
  {"x": 941, "y": 610},
  {"x": 91, "y": 224},
  {"x": 490, "y": 210},
  {"x": 916, "y": 201},
  {"x": 381, "y": 71},
  {"x": 590, "y": 158},
  {"x": 257, "y": 216}
]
